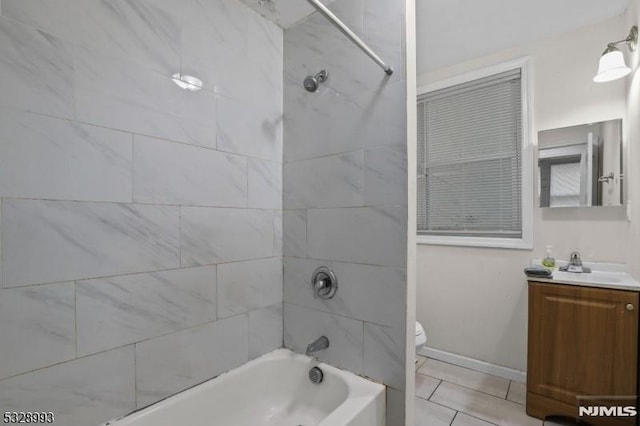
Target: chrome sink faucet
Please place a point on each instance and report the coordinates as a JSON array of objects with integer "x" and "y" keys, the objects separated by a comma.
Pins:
[
  {"x": 574, "y": 259},
  {"x": 575, "y": 264},
  {"x": 319, "y": 344}
]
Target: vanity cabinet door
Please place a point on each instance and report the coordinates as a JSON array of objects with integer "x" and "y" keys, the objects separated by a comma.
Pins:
[{"x": 582, "y": 341}]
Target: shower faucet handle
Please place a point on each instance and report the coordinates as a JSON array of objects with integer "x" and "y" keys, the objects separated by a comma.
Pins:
[{"x": 324, "y": 283}]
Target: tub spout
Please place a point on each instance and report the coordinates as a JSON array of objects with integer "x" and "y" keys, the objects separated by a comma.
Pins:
[{"x": 318, "y": 345}]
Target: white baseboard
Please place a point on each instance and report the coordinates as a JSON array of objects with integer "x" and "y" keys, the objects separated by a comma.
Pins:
[{"x": 474, "y": 364}]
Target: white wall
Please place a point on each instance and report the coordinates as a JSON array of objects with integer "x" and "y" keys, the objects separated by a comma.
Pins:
[
  {"x": 453, "y": 31},
  {"x": 633, "y": 141},
  {"x": 472, "y": 301}
]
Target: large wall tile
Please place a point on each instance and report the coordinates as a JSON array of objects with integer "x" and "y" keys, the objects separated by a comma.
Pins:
[
  {"x": 120, "y": 94},
  {"x": 136, "y": 29},
  {"x": 302, "y": 326},
  {"x": 49, "y": 241},
  {"x": 214, "y": 45},
  {"x": 86, "y": 391},
  {"x": 347, "y": 235},
  {"x": 369, "y": 293},
  {"x": 322, "y": 123},
  {"x": 37, "y": 327},
  {"x": 385, "y": 176},
  {"x": 383, "y": 115},
  {"x": 265, "y": 49},
  {"x": 265, "y": 330},
  {"x": 383, "y": 31},
  {"x": 37, "y": 70},
  {"x": 236, "y": 51},
  {"x": 384, "y": 354},
  {"x": 212, "y": 235},
  {"x": 248, "y": 130},
  {"x": 116, "y": 311},
  {"x": 173, "y": 173},
  {"x": 243, "y": 286},
  {"x": 357, "y": 73},
  {"x": 334, "y": 181},
  {"x": 327, "y": 122},
  {"x": 277, "y": 233},
  {"x": 306, "y": 118},
  {"x": 43, "y": 157},
  {"x": 350, "y": 12},
  {"x": 171, "y": 363},
  {"x": 295, "y": 233},
  {"x": 265, "y": 184}
]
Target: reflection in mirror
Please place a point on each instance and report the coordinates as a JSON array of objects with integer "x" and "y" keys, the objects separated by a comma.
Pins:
[{"x": 581, "y": 165}]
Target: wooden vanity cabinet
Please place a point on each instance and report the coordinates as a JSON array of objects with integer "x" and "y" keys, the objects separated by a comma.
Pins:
[{"x": 583, "y": 341}]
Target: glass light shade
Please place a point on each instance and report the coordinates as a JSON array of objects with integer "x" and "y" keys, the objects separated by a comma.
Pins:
[
  {"x": 612, "y": 66},
  {"x": 187, "y": 82}
]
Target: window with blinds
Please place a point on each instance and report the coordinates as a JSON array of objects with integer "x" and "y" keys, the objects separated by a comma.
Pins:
[{"x": 469, "y": 158}]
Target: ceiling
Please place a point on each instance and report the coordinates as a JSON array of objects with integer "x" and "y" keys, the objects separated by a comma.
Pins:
[
  {"x": 284, "y": 12},
  {"x": 452, "y": 31}
]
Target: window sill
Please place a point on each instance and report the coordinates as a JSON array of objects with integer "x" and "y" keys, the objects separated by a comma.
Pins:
[{"x": 485, "y": 242}]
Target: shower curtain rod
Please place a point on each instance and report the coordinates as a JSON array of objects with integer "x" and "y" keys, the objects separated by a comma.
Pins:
[{"x": 346, "y": 31}]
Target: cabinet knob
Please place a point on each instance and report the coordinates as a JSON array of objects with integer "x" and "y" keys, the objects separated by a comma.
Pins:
[{"x": 630, "y": 307}]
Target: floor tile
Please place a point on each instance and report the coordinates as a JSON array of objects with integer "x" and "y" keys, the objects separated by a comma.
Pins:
[
  {"x": 464, "y": 377},
  {"x": 420, "y": 360},
  {"x": 425, "y": 386},
  {"x": 466, "y": 420},
  {"x": 517, "y": 392},
  {"x": 430, "y": 414},
  {"x": 483, "y": 406}
]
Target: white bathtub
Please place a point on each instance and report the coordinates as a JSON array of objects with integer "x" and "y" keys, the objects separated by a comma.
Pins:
[{"x": 272, "y": 390}]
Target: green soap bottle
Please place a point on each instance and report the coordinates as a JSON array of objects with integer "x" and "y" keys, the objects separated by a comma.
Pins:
[{"x": 549, "y": 262}]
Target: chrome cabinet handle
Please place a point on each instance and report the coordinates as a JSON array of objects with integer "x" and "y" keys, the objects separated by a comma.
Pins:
[{"x": 630, "y": 307}]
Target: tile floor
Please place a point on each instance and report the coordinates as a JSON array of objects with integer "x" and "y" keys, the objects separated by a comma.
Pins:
[{"x": 450, "y": 395}]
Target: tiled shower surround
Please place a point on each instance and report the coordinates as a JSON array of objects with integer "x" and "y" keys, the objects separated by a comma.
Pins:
[
  {"x": 141, "y": 224},
  {"x": 345, "y": 193}
]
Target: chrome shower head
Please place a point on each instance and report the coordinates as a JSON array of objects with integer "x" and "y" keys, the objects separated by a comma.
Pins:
[{"x": 311, "y": 83}]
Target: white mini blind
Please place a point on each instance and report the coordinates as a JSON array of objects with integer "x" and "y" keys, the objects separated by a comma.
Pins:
[{"x": 469, "y": 158}]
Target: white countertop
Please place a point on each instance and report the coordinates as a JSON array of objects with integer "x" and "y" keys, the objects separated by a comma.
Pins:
[{"x": 604, "y": 275}]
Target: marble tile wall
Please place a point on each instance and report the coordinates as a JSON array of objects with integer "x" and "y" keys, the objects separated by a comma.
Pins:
[
  {"x": 140, "y": 225},
  {"x": 345, "y": 193}
]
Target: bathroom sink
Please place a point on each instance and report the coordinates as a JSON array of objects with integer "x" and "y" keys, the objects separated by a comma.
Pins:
[{"x": 601, "y": 275}]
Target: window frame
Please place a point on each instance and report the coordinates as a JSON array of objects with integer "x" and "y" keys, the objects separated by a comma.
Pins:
[{"x": 526, "y": 241}]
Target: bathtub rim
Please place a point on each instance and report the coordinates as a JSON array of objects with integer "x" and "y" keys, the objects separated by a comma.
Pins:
[{"x": 361, "y": 391}]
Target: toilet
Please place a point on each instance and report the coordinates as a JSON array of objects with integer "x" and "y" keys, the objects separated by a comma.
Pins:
[{"x": 421, "y": 337}]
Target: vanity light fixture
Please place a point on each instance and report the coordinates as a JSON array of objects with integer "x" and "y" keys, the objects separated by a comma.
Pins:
[
  {"x": 612, "y": 65},
  {"x": 187, "y": 82}
]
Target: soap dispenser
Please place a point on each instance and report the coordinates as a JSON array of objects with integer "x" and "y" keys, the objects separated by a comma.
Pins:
[{"x": 549, "y": 262}]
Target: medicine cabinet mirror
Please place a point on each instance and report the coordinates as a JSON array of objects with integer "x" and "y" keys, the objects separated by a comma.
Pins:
[{"x": 581, "y": 166}]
